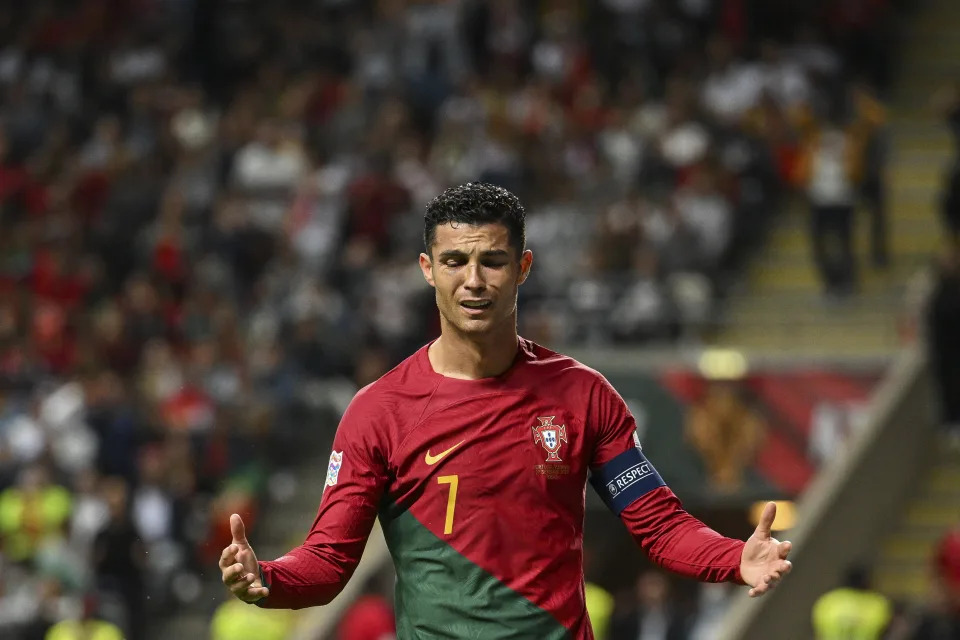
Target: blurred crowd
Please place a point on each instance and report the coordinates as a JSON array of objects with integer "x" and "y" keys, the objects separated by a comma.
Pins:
[{"x": 209, "y": 213}]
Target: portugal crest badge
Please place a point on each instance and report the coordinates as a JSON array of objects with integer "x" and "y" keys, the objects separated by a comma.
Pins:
[{"x": 550, "y": 436}]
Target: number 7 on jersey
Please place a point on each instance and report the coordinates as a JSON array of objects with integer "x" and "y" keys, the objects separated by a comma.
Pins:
[{"x": 453, "y": 481}]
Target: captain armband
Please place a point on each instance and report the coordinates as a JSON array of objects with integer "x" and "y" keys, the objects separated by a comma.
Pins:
[{"x": 624, "y": 479}]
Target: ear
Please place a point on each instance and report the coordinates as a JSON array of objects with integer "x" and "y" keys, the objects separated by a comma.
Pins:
[
  {"x": 426, "y": 266},
  {"x": 526, "y": 261}
]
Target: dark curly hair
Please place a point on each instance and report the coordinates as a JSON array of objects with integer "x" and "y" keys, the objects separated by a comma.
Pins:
[{"x": 476, "y": 203}]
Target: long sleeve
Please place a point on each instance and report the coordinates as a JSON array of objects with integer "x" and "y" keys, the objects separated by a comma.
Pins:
[
  {"x": 652, "y": 513},
  {"x": 316, "y": 571},
  {"x": 677, "y": 541}
]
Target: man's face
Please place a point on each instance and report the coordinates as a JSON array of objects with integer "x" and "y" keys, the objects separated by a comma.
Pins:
[{"x": 475, "y": 273}]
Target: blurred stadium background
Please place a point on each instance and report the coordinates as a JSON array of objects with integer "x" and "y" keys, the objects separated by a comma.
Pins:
[{"x": 744, "y": 212}]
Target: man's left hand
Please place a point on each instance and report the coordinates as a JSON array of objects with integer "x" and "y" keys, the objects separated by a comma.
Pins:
[{"x": 764, "y": 559}]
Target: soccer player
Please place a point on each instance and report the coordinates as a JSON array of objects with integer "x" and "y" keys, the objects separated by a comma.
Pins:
[{"x": 474, "y": 452}]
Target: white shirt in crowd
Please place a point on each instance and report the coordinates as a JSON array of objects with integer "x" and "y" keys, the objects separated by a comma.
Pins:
[
  {"x": 709, "y": 216},
  {"x": 829, "y": 183},
  {"x": 729, "y": 92}
]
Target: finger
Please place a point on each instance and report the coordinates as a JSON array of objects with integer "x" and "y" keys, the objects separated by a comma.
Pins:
[
  {"x": 228, "y": 557},
  {"x": 781, "y": 570},
  {"x": 237, "y": 529},
  {"x": 240, "y": 581},
  {"x": 248, "y": 592},
  {"x": 232, "y": 574},
  {"x": 786, "y": 567},
  {"x": 243, "y": 584},
  {"x": 784, "y": 549},
  {"x": 766, "y": 520},
  {"x": 243, "y": 593},
  {"x": 763, "y": 587}
]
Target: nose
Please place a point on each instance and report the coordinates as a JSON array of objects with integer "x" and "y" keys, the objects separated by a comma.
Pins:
[{"x": 474, "y": 281}]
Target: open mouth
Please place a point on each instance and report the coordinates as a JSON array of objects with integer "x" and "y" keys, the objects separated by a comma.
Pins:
[{"x": 476, "y": 305}]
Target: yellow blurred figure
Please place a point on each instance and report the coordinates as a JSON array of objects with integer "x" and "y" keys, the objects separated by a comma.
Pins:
[
  {"x": 30, "y": 512},
  {"x": 84, "y": 630},
  {"x": 851, "y": 612},
  {"x": 599, "y": 608},
  {"x": 236, "y": 620}
]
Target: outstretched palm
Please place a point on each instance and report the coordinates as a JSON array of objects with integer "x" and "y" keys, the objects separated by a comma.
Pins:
[
  {"x": 763, "y": 561},
  {"x": 238, "y": 564}
]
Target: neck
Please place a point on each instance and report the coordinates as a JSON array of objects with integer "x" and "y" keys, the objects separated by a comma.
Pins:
[{"x": 469, "y": 357}]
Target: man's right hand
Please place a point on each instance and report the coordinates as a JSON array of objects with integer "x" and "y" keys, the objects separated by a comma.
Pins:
[{"x": 238, "y": 563}]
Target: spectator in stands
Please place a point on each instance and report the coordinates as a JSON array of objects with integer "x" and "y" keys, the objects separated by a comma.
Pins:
[
  {"x": 947, "y": 563},
  {"x": 852, "y": 610},
  {"x": 784, "y": 78},
  {"x": 712, "y": 605},
  {"x": 830, "y": 171},
  {"x": 90, "y": 514},
  {"x": 943, "y": 339},
  {"x": 41, "y": 602},
  {"x": 600, "y": 605},
  {"x": 234, "y": 619},
  {"x": 86, "y": 627},
  {"x": 873, "y": 185},
  {"x": 708, "y": 214},
  {"x": 937, "y": 625},
  {"x": 119, "y": 557},
  {"x": 941, "y": 620},
  {"x": 643, "y": 312},
  {"x": 947, "y": 103},
  {"x": 31, "y": 513},
  {"x": 652, "y": 615},
  {"x": 370, "y": 617},
  {"x": 732, "y": 86}
]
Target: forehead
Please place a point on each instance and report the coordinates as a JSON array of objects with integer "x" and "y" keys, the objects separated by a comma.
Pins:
[{"x": 471, "y": 237}]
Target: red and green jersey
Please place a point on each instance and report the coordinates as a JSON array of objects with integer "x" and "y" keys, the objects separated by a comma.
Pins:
[{"x": 480, "y": 487}]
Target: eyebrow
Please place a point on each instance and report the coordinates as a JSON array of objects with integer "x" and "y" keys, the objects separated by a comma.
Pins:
[{"x": 456, "y": 253}]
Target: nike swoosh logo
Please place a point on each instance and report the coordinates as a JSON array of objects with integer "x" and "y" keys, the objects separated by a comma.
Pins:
[{"x": 432, "y": 460}]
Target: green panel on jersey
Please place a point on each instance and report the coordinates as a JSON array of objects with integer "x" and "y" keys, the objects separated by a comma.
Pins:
[{"x": 441, "y": 594}]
